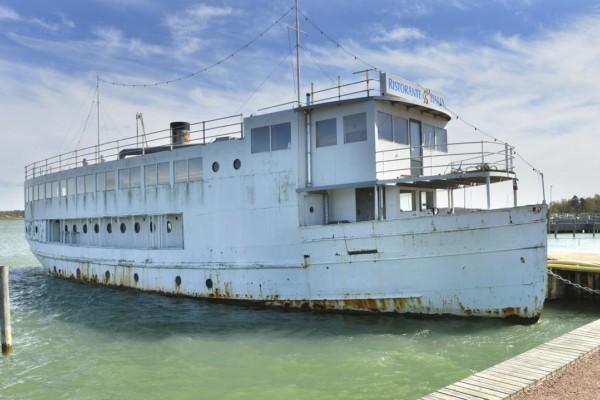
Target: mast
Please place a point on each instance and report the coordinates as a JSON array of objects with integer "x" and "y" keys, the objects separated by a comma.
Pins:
[
  {"x": 297, "y": 54},
  {"x": 98, "y": 117}
]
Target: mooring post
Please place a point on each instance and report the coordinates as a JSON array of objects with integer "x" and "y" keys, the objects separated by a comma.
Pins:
[
  {"x": 6, "y": 328},
  {"x": 574, "y": 225}
]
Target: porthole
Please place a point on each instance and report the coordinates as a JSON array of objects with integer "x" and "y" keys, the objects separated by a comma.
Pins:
[
  {"x": 215, "y": 166},
  {"x": 209, "y": 283},
  {"x": 137, "y": 227},
  {"x": 123, "y": 227},
  {"x": 136, "y": 277},
  {"x": 96, "y": 228},
  {"x": 74, "y": 228},
  {"x": 109, "y": 227},
  {"x": 311, "y": 209},
  {"x": 107, "y": 275},
  {"x": 67, "y": 228},
  {"x": 177, "y": 280},
  {"x": 169, "y": 226},
  {"x": 78, "y": 273},
  {"x": 151, "y": 226},
  {"x": 55, "y": 269},
  {"x": 85, "y": 228},
  {"x": 237, "y": 163},
  {"x": 36, "y": 229}
]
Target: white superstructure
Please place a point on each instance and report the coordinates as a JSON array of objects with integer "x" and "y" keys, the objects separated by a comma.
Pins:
[{"x": 332, "y": 205}]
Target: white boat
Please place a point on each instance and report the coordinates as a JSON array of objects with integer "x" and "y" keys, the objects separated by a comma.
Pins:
[{"x": 343, "y": 202}]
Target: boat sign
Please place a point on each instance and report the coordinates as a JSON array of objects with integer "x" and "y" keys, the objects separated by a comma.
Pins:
[{"x": 395, "y": 86}]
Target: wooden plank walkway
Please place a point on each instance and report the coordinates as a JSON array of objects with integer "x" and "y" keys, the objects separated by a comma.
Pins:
[{"x": 510, "y": 377}]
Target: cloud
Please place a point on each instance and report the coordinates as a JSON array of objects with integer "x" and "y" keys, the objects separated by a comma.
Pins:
[
  {"x": 8, "y": 14},
  {"x": 399, "y": 34}
]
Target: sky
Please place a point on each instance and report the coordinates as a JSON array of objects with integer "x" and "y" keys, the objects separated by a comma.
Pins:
[{"x": 524, "y": 71}]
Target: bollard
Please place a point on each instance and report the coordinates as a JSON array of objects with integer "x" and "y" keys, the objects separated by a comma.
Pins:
[{"x": 6, "y": 328}]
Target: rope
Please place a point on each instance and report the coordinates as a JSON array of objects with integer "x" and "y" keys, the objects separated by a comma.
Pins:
[{"x": 204, "y": 69}]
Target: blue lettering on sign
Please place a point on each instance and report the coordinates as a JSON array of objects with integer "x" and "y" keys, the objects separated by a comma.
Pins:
[{"x": 404, "y": 88}]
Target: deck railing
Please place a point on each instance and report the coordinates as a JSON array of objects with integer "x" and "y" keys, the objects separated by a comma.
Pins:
[
  {"x": 460, "y": 157},
  {"x": 200, "y": 133}
]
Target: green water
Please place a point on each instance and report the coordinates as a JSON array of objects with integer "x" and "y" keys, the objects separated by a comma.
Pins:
[{"x": 74, "y": 341}]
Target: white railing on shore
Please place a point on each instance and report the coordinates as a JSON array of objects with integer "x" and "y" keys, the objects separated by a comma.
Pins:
[
  {"x": 202, "y": 132},
  {"x": 460, "y": 157}
]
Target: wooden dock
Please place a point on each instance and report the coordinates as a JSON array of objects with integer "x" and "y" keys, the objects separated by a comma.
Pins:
[
  {"x": 571, "y": 261},
  {"x": 504, "y": 380}
]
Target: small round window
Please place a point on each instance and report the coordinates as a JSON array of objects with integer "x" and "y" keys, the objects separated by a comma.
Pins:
[
  {"x": 151, "y": 226},
  {"x": 109, "y": 228},
  {"x": 137, "y": 227},
  {"x": 36, "y": 229},
  {"x": 169, "y": 227},
  {"x": 85, "y": 228},
  {"x": 237, "y": 163},
  {"x": 123, "y": 227},
  {"x": 96, "y": 228},
  {"x": 215, "y": 166},
  {"x": 74, "y": 228}
]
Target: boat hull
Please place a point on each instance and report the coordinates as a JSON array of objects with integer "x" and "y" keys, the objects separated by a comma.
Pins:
[{"x": 489, "y": 263}]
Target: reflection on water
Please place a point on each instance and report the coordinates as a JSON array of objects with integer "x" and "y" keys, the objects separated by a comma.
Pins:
[{"x": 89, "y": 342}]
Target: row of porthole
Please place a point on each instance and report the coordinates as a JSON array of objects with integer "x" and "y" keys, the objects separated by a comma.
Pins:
[
  {"x": 136, "y": 278},
  {"x": 123, "y": 228},
  {"x": 237, "y": 164}
]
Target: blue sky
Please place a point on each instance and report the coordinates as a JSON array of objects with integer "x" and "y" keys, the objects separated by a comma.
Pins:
[{"x": 525, "y": 70}]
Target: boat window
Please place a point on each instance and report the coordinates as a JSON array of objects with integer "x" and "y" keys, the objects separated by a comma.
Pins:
[
  {"x": 101, "y": 182},
  {"x": 150, "y": 175},
  {"x": 400, "y": 130},
  {"x": 355, "y": 128},
  {"x": 260, "y": 141},
  {"x": 215, "y": 166},
  {"x": 426, "y": 201},
  {"x": 137, "y": 227},
  {"x": 441, "y": 140},
  {"x": 71, "y": 186},
  {"x": 169, "y": 227},
  {"x": 180, "y": 171},
  {"x": 281, "y": 136},
  {"x": 96, "y": 228},
  {"x": 35, "y": 193},
  {"x": 134, "y": 177},
  {"x": 80, "y": 184},
  {"x": 407, "y": 200},
  {"x": 49, "y": 190},
  {"x": 326, "y": 132},
  {"x": 109, "y": 227},
  {"x": 384, "y": 126},
  {"x": 123, "y": 227},
  {"x": 85, "y": 228},
  {"x": 110, "y": 180},
  {"x": 89, "y": 183},
  {"x": 74, "y": 228},
  {"x": 63, "y": 188},
  {"x": 163, "y": 170},
  {"x": 55, "y": 189},
  {"x": 124, "y": 178},
  {"x": 195, "y": 169},
  {"x": 30, "y": 193},
  {"x": 428, "y": 137},
  {"x": 237, "y": 164}
]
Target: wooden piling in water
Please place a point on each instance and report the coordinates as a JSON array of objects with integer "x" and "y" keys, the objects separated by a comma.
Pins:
[{"x": 6, "y": 325}]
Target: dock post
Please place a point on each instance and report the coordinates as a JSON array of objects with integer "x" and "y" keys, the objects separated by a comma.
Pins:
[
  {"x": 555, "y": 230},
  {"x": 574, "y": 225},
  {"x": 6, "y": 328}
]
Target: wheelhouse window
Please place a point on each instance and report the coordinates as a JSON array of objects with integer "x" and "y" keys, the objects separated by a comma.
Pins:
[
  {"x": 355, "y": 128},
  {"x": 195, "y": 169},
  {"x": 124, "y": 178},
  {"x": 150, "y": 175},
  {"x": 428, "y": 137},
  {"x": 326, "y": 132},
  {"x": 271, "y": 138},
  {"x": 71, "y": 187},
  {"x": 89, "y": 183},
  {"x": 135, "y": 177},
  {"x": 180, "y": 171},
  {"x": 80, "y": 185},
  {"x": 164, "y": 173},
  {"x": 260, "y": 139},
  {"x": 110, "y": 180},
  {"x": 101, "y": 182},
  {"x": 385, "y": 129},
  {"x": 441, "y": 140}
]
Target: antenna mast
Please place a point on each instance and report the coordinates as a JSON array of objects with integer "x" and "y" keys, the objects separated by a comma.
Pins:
[
  {"x": 98, "y": 115},
  {"x": 298, "y": 54}
]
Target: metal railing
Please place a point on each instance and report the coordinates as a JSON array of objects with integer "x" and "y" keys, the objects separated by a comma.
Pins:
[
  {"x": 444, "y": 159},
  {"x": 202, "y": 132}
]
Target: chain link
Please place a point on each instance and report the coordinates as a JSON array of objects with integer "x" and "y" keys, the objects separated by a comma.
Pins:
[{"x": 575, "y": 285}]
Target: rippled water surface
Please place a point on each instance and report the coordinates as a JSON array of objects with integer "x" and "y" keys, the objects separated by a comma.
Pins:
[{"x": 75, "y": 341}]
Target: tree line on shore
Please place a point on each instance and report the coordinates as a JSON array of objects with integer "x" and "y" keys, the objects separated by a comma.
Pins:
[{"x": 576, "y": 205}]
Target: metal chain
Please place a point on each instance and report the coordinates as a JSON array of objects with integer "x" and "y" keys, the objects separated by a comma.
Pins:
[{"x": 575, "y": 285}]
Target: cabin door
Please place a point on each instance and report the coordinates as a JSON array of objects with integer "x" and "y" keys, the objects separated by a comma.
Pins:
[
  {"x": 365, "y": 204},
  {"x": 416, "y": 148}
]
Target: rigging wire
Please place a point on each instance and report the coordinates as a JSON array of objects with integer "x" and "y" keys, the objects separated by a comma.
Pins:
[
  {"x": 87, "y": 119},
  {"x": 72, "y": 130},
  {"x": 337, "y": 44},
  {"x": 204, "y": 69},
  {"x": 325, "y": 74}
]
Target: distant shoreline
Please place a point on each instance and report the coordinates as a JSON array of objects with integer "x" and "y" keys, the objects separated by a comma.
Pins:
[{"x": 12, "y": 214}]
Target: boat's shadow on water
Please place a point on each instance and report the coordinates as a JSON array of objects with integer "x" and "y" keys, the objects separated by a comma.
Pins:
[{"x": 147, "y": 315}]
